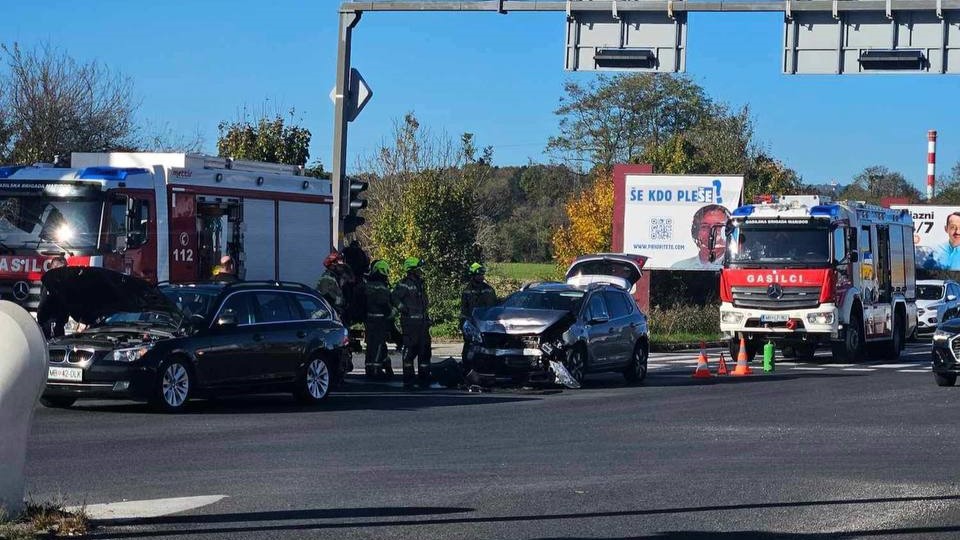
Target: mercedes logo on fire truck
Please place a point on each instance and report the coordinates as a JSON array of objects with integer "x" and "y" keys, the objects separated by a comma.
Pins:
[
  {"x": 775, "y": 291},
  {"x": 21, "y": 290}
]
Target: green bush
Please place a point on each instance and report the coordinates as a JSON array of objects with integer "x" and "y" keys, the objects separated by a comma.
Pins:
[{"x": 684, "y": 319}]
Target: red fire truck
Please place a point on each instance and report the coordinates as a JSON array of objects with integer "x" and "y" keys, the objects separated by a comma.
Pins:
[
  {"x": 802, "y": 272},
  {"x": 161, "y": 217}
]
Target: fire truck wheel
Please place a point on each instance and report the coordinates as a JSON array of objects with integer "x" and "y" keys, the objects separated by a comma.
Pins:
[
  {"x": 891, "y": 350},
  {"x": 851, "y": 348},
  {"x": 805, "y": 351},
  {"x": 734, "y": 346}
]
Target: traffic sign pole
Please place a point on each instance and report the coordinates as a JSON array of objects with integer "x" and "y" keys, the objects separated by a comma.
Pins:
[{"x": 348, "y": 20}]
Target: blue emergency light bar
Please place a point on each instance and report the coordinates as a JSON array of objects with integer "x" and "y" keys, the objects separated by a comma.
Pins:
[
  {"x": 110, "y": 173},
  {"x": 825, "y": 210},
  {"x": 743, "y": 211},
  {"x": 7, "y": 172}
]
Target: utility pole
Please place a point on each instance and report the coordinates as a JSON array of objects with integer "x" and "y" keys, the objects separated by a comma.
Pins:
[{"x": 341, "y": 99}]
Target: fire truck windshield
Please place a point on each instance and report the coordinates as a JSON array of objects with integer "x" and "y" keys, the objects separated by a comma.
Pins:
[
  {"x": 31, "y": 220},
  {"x": 778, "y": 245}
]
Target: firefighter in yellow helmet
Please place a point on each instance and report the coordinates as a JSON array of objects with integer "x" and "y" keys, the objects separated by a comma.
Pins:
[
  {"x": 476, "y": 294},
  {"x": 410, "y": 298},
  {"x": 378, "y": 321}
]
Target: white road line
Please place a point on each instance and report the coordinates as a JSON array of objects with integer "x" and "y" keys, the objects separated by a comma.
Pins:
[
  {"x": 837, "y": 365},
  {"x": 892, "y": 366},
  {"x": 858, "y": 369},
  {"x": 149, "y": 508},
  {"x": 914, "y": 371},
  {"x": 808, "y": 368}
]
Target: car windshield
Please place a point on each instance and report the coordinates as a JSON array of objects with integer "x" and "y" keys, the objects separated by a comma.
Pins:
[
  {"x": 929, "y": 292},
  {"x": 27, "y": 220},
  {"x": 191, "y": 301},
  {"x": 147, "y": 318},
  {"x": 567, "y": 300},
  {"x": 780, "y": 244}
]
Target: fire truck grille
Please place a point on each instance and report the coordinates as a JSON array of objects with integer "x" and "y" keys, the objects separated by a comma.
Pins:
[
  {"x": 32, "y": 300},
  {"x": 792, "y": 298}
]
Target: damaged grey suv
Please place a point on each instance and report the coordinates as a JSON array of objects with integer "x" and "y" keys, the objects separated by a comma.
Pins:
[{"x": 588, "y": 324}]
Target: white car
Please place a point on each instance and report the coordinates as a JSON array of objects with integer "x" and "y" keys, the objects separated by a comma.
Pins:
[{"x": 937, "y": 301}]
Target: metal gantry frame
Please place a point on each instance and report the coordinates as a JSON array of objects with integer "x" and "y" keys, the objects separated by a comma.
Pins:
[{"x": 350, "y": 13}]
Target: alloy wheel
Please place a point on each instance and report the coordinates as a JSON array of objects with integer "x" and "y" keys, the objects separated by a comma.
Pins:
[
  {"x": 318, "y": 379},
  {"x": 176, "y": 385}
]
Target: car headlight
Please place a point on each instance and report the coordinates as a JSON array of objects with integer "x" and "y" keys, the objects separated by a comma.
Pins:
[
  {"x": 132, "y": 354},
  {"x": 942, "y": 336},
  {"x": 822, "y": 317},
  {"x": 471, "y": 332},
  {"x": 731, "y": 317}
]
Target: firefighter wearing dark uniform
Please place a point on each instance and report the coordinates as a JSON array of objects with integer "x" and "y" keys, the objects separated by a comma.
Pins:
[
  {"x": 410, "y": 298},
  {"x": 330, "y": 283},
  {"x": 477, "y": 294},
  {"x": 378, "y": 321}
]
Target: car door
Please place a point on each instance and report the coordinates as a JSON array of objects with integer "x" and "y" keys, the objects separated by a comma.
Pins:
[
  {"x": 621, "y": 342},
  {"x": 277, "y": 332},
  {"x": 227, "y": 355},
  {"x": 599, "y": 332}
]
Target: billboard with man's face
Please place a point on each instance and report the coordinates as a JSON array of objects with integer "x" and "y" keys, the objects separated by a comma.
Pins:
[
  {"x": 669, "y": 218},
  {"x": 936, "y": 234}
]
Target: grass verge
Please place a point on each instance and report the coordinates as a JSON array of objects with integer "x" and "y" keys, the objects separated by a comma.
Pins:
[
  {"x": 44, "y": 520},
  {"x": 525, "y": 271}
]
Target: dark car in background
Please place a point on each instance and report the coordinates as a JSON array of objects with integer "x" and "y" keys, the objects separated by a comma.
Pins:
[
  {"x": 946, "y": 351},
  {"x": 590, "y": 324},
  {"x": 168, "y": 344}
]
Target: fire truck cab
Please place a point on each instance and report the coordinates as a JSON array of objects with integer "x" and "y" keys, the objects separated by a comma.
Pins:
[
  {"x": 161, "y": 217},
  {"x": 801, "y": 272}
]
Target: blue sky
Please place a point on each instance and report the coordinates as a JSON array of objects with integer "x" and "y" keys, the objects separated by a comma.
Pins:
[{"x": 500, "y": 77}]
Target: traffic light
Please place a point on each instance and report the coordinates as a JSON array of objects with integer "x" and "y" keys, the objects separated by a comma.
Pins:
[{"x": 354, "y": 204}]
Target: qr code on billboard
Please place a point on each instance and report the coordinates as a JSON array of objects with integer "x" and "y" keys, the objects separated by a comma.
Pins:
[{"x": 661, "y": 228}]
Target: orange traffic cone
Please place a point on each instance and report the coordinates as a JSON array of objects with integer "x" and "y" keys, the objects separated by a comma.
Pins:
[
  {"x": 703, "y": 370},
  {"x": 742, "y": 367},
  {"x": 722, "y": 368}
]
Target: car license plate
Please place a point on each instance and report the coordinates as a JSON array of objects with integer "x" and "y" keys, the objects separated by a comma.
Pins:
[
  {"x": 774, "y": 318},
  {"x": 65, "y": 374}
]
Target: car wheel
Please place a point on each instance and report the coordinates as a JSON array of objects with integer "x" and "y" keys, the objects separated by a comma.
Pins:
[
  {"x": 57, "y": 402},
  {"x": 315, "y": 381},
  {"x": 637, "y": 370},
  {"x": 945, "y": 379},
  {"x": 173, "y": 386},
  {"x": 576, "y": 364}
]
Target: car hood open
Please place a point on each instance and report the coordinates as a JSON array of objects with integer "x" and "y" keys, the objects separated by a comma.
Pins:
[
  {"x": 90, "y": 294},
  {"x": 510, "y": 320}
]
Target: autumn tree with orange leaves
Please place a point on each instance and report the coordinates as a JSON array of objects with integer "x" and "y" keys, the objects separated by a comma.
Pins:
[{"x": 591, "y": 222}]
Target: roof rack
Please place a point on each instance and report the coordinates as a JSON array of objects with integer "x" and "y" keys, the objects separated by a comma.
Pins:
[{"x": 289, "y": 284}]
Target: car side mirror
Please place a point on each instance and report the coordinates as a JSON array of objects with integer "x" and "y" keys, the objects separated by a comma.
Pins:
[
  {"x": 951, "y": 297},
  {"x": 227, "y": 320}
]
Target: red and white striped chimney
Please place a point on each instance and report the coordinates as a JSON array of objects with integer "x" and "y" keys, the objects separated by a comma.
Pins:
[{"x": 931, "y": 162}]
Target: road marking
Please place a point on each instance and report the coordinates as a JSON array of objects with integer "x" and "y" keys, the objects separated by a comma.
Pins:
[
  {"x": 837, "y": 365},
  {"x": 858, "y": 369},
  {"x": 914, "y": 371},
  {"x": 893, "y": 366},
  {"x": 147, "y": 509},
  {"x": 808, "y": 368}
]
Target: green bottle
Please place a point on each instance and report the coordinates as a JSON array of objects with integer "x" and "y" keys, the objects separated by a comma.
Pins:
[{"x": 768, "y": 363}]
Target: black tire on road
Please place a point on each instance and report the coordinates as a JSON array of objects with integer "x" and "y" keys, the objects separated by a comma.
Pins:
[
  {"x": 852, "y": 347},
  {"x": 734, "y": 347},
  {"x": 636, "y": 371},
  {"x": 945, "y": 379},
  {"x": 806, "y": 351},
  {"x": 57, "y": 402},
  {"x": 891, "y": 350},
  {"x": 173, "y": 387},
  {"x": 576, "y": 363},
  {"x": 315, "y": 380}
]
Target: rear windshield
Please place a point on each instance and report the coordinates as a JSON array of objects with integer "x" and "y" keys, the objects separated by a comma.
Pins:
[
  {"x": 605, "y": 268},
  {"x": 556, "y": 300}
]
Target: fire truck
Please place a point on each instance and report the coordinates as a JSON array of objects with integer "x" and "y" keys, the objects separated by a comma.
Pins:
[
  {"x": 161, "y": 217},
  {"x": 801, "y": 272}
]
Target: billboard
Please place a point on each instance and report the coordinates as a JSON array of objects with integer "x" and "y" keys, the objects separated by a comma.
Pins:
[
  {"x": 668, "y": 218},
  {"x": 936, "y": 234}
]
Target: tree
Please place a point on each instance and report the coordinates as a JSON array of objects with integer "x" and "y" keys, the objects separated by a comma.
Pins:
[
  {"x": 614, "y": 119},
  {"x": 948, "y": 187},
  {"x": 590, "y": 214},
  {"x": 270, "y": 139},
  {"x": 876, "y": 183},
  {"x": 768, "y": 176},
  {"x": 53, "y": 105}
]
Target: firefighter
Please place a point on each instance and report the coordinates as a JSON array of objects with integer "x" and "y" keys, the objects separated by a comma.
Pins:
[
  {"x": 226, "y": 270},
  {"x": 330, "y": 285},
  {"x": 477, "y": 294},
  {"x": 410, "y": 298},
  {"x": 356, "y": 258},
  {"x": 379, "y": 320}
]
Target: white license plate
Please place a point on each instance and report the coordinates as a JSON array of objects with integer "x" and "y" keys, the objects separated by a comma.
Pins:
[
  {"x": 65, "y": 374},
  {"x": 774, "y": 318}
]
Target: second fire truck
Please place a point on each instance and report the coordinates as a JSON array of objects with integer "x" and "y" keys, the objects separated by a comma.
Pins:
[{"x": 802, "y": 272}]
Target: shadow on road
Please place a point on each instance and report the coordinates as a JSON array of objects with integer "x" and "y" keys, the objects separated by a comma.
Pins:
[
  {"x": 761, "y": 535},
  {"x": 655, "y": 379},
  {"x": 240, "y": 518}
]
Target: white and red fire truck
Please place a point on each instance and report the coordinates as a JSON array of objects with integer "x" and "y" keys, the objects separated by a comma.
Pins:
[
  {"x": 801, "y": 272},
  {"x": 161, "y": 217}
]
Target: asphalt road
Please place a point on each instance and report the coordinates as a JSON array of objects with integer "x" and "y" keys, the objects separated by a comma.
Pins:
[{"x": 811, "y": 451}]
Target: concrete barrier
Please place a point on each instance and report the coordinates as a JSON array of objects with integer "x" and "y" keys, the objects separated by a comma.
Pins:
[{"x": 23, "y": 373}]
